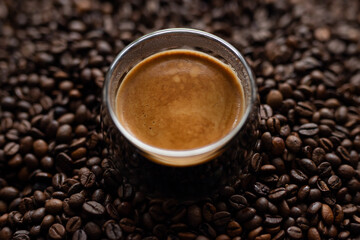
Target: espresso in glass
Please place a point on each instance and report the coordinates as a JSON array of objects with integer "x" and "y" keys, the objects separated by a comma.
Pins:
[{"x": 180, "y": 100}]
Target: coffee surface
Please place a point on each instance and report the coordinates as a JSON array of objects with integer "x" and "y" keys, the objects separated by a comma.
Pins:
[{"x": 180, "y": 100}]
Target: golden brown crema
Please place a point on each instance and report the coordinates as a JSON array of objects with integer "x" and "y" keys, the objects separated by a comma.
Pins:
[{"x": 180, "y": 100}]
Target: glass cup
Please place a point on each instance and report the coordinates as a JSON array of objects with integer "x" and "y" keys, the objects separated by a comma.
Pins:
[{"x": 179, "y": 173}]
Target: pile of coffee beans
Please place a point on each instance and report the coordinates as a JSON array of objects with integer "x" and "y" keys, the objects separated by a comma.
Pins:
[{"x": 54, "y": 177}]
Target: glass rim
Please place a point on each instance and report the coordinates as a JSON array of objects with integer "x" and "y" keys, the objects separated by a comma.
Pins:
[{"x": 179, "y": 153}]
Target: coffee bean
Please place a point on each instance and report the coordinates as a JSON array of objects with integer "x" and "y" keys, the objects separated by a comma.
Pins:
[
  {"x": 326, "y": 144},
  {"x": 11, "y": 148},
  {"x": 308, "y": 166},
  {"x": 64, "y": 163},
  {"x": 127, "y": 225},
  {"x": 274, "y": 99},
  {"x": 255, "y": 162},
  {"x": 313, "y": 234},
  {"x": 327, "y": 214},
  {"x": 38, "y": 215},
  {"x": 238, "y": 202},
  {"x": 277, "y": 194},
  {"x": 79, "y": 235},
  {"x": 221, "y": 219},
  {"x": 63, "y": 133},
  {"x": 293, "y": 143},
  {"x": 113, "y": 231},
  {"x": 8, "y": 193},
  {"x": 298, "y": 176},
  {"x": 194, "y": 215},
  {"x": 324, "y": 169},
  {"x": 234, "y": 229},
  {"x": 346, "y": 171},
  {"x": 334, "y": 182},
  {"x": 87, "y": 179},
  {"x": 294, "y": 232},
  {"x": 40, "y": 147},
  {"x": 73, "y": 224},
  {"x": 304, "y": 109},
  {"x": 92, "y": 230},
  {"x": 314, "y": 207},
  {"x": 272, "y": 220},
  {"x": 245, "y": 214},
  {"x": 47, "y": 221},
  {"x": 278, "y": 145},
  {"x": 93, "y": 208},
  {"x": 309, "y": 129},
  {"x": 208, "y": 210},
  {"x": 125, "y": 191},
  {"x": 53, "y": 206},
  {"x": 76, "y": 200},
  {"x": 57, "y": 231},
  {"x": 322, "y": 186},
  {"x": 318, "y": 155},
  {"x": 338, "y": 213},
  {"x": 262, "y": 204},
  {"x": 253, "y": 223},
  {"x": 303, "y": 192}
]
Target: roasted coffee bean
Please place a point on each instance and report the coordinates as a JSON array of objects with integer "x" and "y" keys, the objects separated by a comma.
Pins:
[
  {"x": 93, "y": 208},
  {"x": 324, "y": 169},
  {"x": 127, "y": 225},
  {"x": 307, "y": 166},
  {"x": 253, "y": 223},
  {"x": 272, "y": 221},
  {"x": 303, "y": 192},
  {"x": 294, "y": 232},
  {"x": 221, "y": 219},
  {"x": 194, "y": 215},
  {"x": 245, "y": 214},
  {"x": 208, "y": 210},
  {"x": 255, "y": 162},
  {"x": 278, "y": 145},
  {"x": 309, "y": 129},
  {"x": 293, "y": 143},
  {"x": 334, "y": 182},
  {"x": 8, "y": 193},
  {"x": 11, "y": 148},
  {"x": 53, "y": 206},
  {"x": 262, "y": 204},
  {"x": 87, "y": 179},
  {"x": 318, "y": 155},
  {"x": 313, "y": 234},
  {"x": 234, "y": 229},
  {"x": 238, "y": 202},
  {"x": 73, "y": 224},
  {"x": 346, "y": 171},
  {"x": 63, "y": 133},
  {"x": 277, "y": 194},
  {"x": 57, "y": 231},
  {"x": 314, "y": 207},
  {"x": 92, "y": 230},
  {"x": 298, "y": 176},
  {"x": 47, "y": 221},
  {"x": 63, "y": 162},
  {"x": 113, "y": 231},
  {"x": 274, "y": 99},
  {"x": 322, "y": 186},
  {"x": 79, "y": 235},
  {"x": 327, "y": 214},
  {"x": 326, "y": 144}
]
